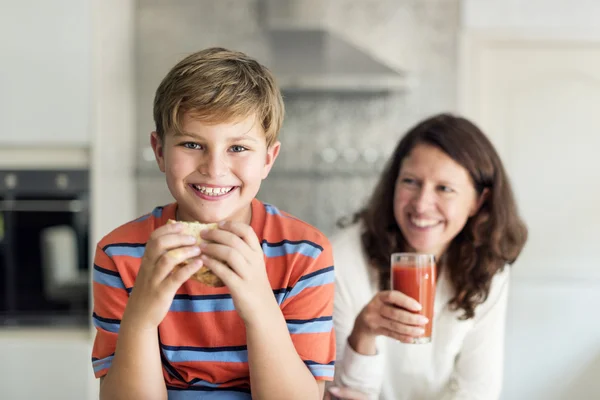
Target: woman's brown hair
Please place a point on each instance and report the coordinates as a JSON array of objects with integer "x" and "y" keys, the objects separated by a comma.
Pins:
[{"x": 490, "y": 239}]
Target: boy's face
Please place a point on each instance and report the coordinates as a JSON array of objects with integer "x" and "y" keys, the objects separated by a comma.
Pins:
[{"x": 215, "y": 170}]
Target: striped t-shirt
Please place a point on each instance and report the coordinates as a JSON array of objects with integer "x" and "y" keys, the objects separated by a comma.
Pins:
[{"x": 202, "y": 339}]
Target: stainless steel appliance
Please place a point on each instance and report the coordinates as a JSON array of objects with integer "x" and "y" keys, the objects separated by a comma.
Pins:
[{"x": 44, "y": 247}]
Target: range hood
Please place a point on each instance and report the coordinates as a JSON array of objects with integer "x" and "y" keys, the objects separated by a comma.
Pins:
[{"x": 306, "y": 57}]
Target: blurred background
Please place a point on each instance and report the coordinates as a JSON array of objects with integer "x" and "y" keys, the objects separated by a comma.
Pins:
[{"x": 77, "y": 79}]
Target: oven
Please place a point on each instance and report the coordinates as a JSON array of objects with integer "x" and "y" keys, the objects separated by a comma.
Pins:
[{"x": 44, "y": 247}]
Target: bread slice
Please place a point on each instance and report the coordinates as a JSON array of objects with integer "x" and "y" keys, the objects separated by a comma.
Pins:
[{"x": 203, "y": 275}]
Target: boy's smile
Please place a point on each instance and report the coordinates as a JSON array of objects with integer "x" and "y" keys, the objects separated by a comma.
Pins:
[
  {"x": 214, "y": 170},
  {"x": 211, "y": 192}
]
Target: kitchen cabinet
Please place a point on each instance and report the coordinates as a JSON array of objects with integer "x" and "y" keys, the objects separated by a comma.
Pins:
[{"x": 45, "y": 73}]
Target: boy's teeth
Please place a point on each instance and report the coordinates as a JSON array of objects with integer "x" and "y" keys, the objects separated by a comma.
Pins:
[
  {"x": 212, "y": 191},
  {"x": 424, "y": 223}
]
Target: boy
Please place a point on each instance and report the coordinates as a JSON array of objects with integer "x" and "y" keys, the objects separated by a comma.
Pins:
[{"x": 269, "y": 330}]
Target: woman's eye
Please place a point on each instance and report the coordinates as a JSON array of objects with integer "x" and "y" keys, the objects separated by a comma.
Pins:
[
  {"x": 446, "y": 189},
  {"x": 190, "y": 145},
  {"x": 238, "y": 149},
  {"x": 409, "y": 181}
]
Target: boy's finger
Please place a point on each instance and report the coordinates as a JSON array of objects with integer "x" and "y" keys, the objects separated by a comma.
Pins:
[
  {"x": 158, "y": 246},
  {"x": 172, "y": 258},
  {"x": 229, "y": 256},
  {"x": 181, "y": 273},
  {"x": 166, "y": 229},
  {"x": 229, "y": 239},
  {"x": 221, "y": 270},
  {"x": 243, "y": 231}
]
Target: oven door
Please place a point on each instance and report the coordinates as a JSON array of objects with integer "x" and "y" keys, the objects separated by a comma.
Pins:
[{"x": 44, "y": 251}]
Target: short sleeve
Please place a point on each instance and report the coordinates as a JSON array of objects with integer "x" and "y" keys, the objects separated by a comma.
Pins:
[
  {"x": 110, "y": 297},
  {"x": 308, "y": 308}
]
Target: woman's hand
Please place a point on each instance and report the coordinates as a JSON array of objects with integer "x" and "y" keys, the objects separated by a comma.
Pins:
[
  {"x": 343, "y": 393},
  {"x": 390, "y": 313}
]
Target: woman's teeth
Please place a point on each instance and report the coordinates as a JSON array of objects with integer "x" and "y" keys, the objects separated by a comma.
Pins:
[
  {"x": 424, "y": 223},
  {"x": 213, "y": 191}
]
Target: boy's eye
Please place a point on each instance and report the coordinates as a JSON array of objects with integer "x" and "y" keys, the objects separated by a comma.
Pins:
[
  {"x": 409, "y": 181},
  {"x": 446, "y": 189},
  {"x": 238, "y": 149},
  {"x": 191, "y": 145}
]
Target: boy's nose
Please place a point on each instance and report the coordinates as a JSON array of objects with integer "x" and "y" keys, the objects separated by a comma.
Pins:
[{"x": 213, "y": 166}]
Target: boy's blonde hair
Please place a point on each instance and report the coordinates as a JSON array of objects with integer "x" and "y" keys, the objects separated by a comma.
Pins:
[{"x": 217, "y": 85}]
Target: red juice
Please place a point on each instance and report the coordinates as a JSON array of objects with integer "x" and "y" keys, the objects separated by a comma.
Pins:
[{"x": 416, "y": 279}]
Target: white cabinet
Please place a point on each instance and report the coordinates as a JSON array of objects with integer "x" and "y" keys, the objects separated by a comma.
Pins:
[
  {"x": 46, "y": 364},
  {"x": 45, "y": 72},
  {"x": 539, "y": 101}
]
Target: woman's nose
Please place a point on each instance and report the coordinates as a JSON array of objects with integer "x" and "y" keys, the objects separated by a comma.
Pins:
[{"x": 424, "y": 198}]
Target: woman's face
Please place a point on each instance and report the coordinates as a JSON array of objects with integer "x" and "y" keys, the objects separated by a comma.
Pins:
[{"x": 433, "y": 198}]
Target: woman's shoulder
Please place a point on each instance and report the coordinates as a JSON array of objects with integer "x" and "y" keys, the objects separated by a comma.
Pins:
[
  {"x": 346, "y": 243},
  {"x": 349, "y": 235},
  {"x": 499, "y": 287},
  {"x": 500, "y": 280},
  {"x": 351, "y": 268}
]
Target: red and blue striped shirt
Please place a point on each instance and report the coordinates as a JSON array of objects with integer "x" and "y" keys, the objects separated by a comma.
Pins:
[{"x": 202, "y": 339}]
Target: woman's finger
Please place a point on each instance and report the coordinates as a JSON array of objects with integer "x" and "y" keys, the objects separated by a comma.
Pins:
[
  {"x": 394, "y": 335},
  {"x": 344, "y": 393},
  {"x": 400, "y": 328},
  {"x": 403, "y": 316},
  {"x": 399, "y": 299}
]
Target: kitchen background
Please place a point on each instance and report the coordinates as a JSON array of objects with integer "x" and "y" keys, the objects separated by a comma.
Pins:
[{"x": 77, "y": 79}]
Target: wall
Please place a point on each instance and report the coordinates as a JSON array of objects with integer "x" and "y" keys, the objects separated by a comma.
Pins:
[
  {"x": 553, "y": 342},
  {"x": 45, "y": 85},
  {"x": 565, "y": 16},
  {"x": 419, "y": 37},
  {"x": 80, "y": 87},
  {"x": 50, "y": 364}
]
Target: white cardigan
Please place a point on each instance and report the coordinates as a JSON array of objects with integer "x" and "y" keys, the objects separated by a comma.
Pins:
[{"x": 463, "y": 361}]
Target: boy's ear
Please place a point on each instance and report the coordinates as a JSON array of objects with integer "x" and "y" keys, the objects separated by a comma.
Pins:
[
  {"x": 158, "y": 147},
  {"x": 272, "y": 153}
]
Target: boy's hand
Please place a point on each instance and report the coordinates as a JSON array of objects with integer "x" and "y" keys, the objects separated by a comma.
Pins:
[
  {"x": 234, "y": 254},
  {"x": 156, "y": 282}
]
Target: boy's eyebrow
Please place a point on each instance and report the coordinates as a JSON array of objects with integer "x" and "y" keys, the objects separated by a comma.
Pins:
[
  {"x": 233, "y": 139},
  {"x": 243, "y": 137},
  {"x": 181, "y": 134}
]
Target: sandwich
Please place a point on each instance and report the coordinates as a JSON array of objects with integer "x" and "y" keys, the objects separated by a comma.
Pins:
[{"x": 203, "y": 275}]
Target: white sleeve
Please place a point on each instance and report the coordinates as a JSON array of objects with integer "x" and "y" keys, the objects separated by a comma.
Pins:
[
  {"x": 353, "y": 370},
  {"x": 478, "y": 371}
]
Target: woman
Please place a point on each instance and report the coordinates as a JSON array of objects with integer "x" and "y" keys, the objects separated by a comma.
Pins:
[{"x": 443, "y": 192}]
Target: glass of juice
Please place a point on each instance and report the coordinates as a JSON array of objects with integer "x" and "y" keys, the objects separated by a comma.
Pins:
[{"x": 414, "y": 275}]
